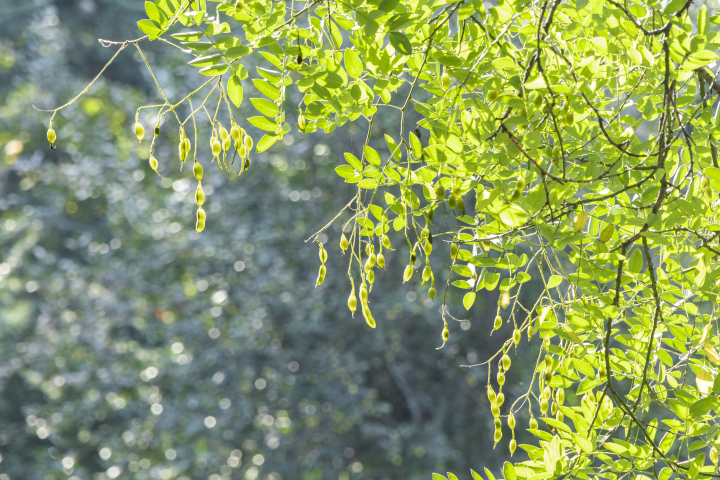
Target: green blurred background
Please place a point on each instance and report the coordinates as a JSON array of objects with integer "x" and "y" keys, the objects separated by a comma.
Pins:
[{"x": 132, "y": 347}]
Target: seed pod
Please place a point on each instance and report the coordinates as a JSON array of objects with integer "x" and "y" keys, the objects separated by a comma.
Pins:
[
  {"x": 301, "y": 122},
  {"x": 139, "y": 131},
  {"x": 445, "y": 334},
  {"x": 570, "y": 118},
  {"x": 461, "y": 205},
  {"x": 386, "y": 242},
  {"x": 513, "y": 446},
  {"x": 428, "y": 248},
  {"x": 511, "y": 421},
  {"x": 223, "y": 134},
  {"x": 708, "y": 195},
  {"x": 704, "y": 183},
  {"x": 606, "y": 233},
  {"x": 498, "y": 435},
  {"x": 504, "y": 299},
  {"x": 440, "y": 192},
  {"x": 516, "y": 336},
  {"x": 182, "y": 151},
  {"x": 548, "y": 362},
  {"x": 363, "y": 294},
  {"x": 553, "y": 409},
  {"x": 235, "y": 133},
  {"x": 408, "y": 273},
  {"x": 157, "y": 130},
  {"x": 580, "y": 219},
  {"x": 495, "y": 409},
  {"x": 548, "y": 377},
  {"x": 506, "y": 362},
  {"x": 198, "y": 171},
  {"x": 200, "y": 226},
  {"x": 487, "y": 244},
  {"x": 352, "y": 302},
  {"x": 453, "y": 251},
  {"x": 51, "y": 136},
  {"x": 533, "y": 423},
  {"x": 241, "y": 150},
  {"x": 248, "y": 143},
  {"x": 431, "y": 293},
  {"x": 560, "y": 396},
  {"x": 426, "y": 274},
  {"x": 199, "y": 195},
  {"x": 547, "y": 391},
  {"x": 603, "y": 373},
  {"x": 559, "y": 416},
  {"x": 323, "y": 254},
  {"x": 493, "y": 95},
  {"x": 368, "y": 316},
  {"x": 518, "y": 189},
  {"x": 556, "y": 152},
  {"x": 501, "y": 380},
  {"x": 543, "y": 405},
  {"x": 246, "y": 165},
  {"x": 498, "y": 424},
  {"x": 216, "y": 147},
  {"x": 153, "y": 163},
  {"x": 321, "y": 275},
  {"x": 381, "y": 260},
  {"x": 491, "y": 394},
  {"x": 452, "y": 202},
  {"x": 227, "y": 144},
  {"x": 240, "y": 4},
  {"x": 498, "y": 322},
  {"x": 370, "y": 277},
  {"x": 445, "y": 79},
  {"x": 344, "y": 243}
]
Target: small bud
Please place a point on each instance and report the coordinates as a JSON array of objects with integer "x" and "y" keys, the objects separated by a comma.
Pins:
[
  {"x": 513, "y": 446},
  {"x": 51, "y": 136},
  {"x": 498, "y": 322},
  {"x": 431, "y": 293},
  {"x": 516, "y": 336},
  {"x": 344, "y": 243},
  {"x": 352, "y": 302}
]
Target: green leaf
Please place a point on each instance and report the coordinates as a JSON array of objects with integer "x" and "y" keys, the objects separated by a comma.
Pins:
[
  {"x": 266, "y": 89},
  {"x": 353, "y": 161},
  {"x": 215, "y": 69},
  {"x": 205, "y": 61},
  {"x": 150, "y": 28},
  {"x": 153, "y": 12},
  {"x": 475, "y": 475},
  {"x": 266, "y": 142},
  {"x": 635, "y": 263},
  {"x": 512, "y": 215},
  {"x": 401, "y": 43},
  {"x": 263, "y": 123},
  {"x": 353, "y": 64},
  {"x": 554, "y": 281},
  {"x": 468, "y": 300},
  {"x": 509, "y": 471},
  {"x": 266, "y": 107},
  {"x": 437, "y": 476},
  {"x": 234, "y": 90},
  {"x": 237, "y": 52},
  {"x": 372, "y": 156},
  {"x": 673, "y": 7},
  {"x": 703, "y": 406}
]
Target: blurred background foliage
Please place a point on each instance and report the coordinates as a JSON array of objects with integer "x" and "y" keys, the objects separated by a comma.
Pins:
[{"x": 132, "y": 347}]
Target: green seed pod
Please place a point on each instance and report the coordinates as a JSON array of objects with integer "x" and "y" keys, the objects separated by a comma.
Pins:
[
  {"x": 431, "y": 293},
  {"x": 708, "y": 195},
  {"x": 386, "y": 242},
  {"x": 548, "y": 362},
  {"x": 440, "y": 192},
  {"x": 518, "y": 189},
  {"x": 198, "y": 171},
  {"x": 603, "y": 373},
  {"x": 246, "y": 165},
  {"x": 239, "y": 5},
  {"x": 216, "y": 147},
  {"x": 51, "y": 135},
  {"x": 547, "y": 391},
  {"x": 506, "y": 362},
  {"x": 493, "y": 95},
  {"x": 452, "y": 202},
  {"x": 241, "y": 150},
  {"x": 704, "y": 183},
  {"x": 182, "y": 152},
  {"x": 323, "y": 254},
  {"x": 560, "y": 396},
  {"x": 445, "y": 79},
  {"x": 200, "y": 220},
  {"x": 543, "y": 405},
  {"x": 504, "y": 299},
  {"x": 428, "y": 248},
  {"x": 516, "y": 336},
  {"x": 223, "y": 134},
  {"x": 344, "y": 243},
  {"x": 453, "y": 251},
  {"x": 498, "y": 322},
  {"x": 491, "y": 394},
  {"x": 363, "y": 294},
  {"x": 381, "y": 260},
  {"x": 445, "y": 334},
  {"x": 235, "y": 133},
  {"x": 501, "y": 380},
  {"x": 495, "y": 410},
  {"x": 498, "y": 424},
  {"x": 372, "y": 260},
  {"x": 157, "y": 130},
  {"x": 407, "y": 275},
  {"x": 580, "y": 219},
  {"x": 498, "y": 435},
  {"x": 461, "y": 205},
  {"x": 323, "y": 270},
  {"x": 227, "y": 144},
  {"x": 553, "y": 409},
  {"x": 248, "y": 143},
  {"x": 352, "y": 302},
  {"x": 511, "y": 421},
  {"x": 533, "y": 423},
  {"x": 513, "y": 446},
  {"x": 153, "y": 163},
  {"x": 559, "y": 416},
  {"x": 139, "y": 131},
  {"x": 199, "y": 195},
  {"x": 301, "y": 122},
  {"x": 548, "y": 150},
  {"x": 186, "y": 141},
  {"x": 570, "y": 118},
  {"x": 548, "y": 377},
  {"x": 370, "y": 277},
  {"x": 606, "y": 233},
  {"x": 426, "y": 274},
  {"x": 556, "y": 152}
]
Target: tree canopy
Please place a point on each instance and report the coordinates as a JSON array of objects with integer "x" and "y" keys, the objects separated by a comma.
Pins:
[{"x": 570, "y": 144}]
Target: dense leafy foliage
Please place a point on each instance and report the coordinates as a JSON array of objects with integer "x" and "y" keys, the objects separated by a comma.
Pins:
[{"x": 583, "y": 134}]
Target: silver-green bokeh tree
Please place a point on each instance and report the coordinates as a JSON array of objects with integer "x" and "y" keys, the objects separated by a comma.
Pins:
[{"x": 575, "y": 143}]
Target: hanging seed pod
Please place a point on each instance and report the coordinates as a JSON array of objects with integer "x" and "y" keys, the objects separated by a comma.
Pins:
[
  {"x": 498, "y": 322},
  {"x": 547, "y": 392},
  {"x": 453, "y": 251},
  {"x": 381, "y": 260},
  {"x": 606, "y": 233},
  {"x": 452, "y": 202},
  {"x": 386, "y": 242},
  {"x": 153, "y": 163},
  {"x": 498, "y": 435},
  {"x": 321, "y": 275},
  {"x": 246, "y": 165},
  {"x": 501, "y": 378},
  {"x": 704, "y": 183},
  {"x": 199, "y": 196},
  {"x": 200, "y": 226},
  {"x": 223, "y": 134},
  {"x": 603, "y": 373},
  {"x": 560, "y": 396},
  {"x": 407, "y": 275},
  {"x": 352, "y": 302},
  {"x": 51, "y": 136},
  {"x": 198, "y": 171},
  {"x": 504, "y": 299},
  {"x": 570, "y": 118},
  {"x": 495, "y": 410},
  {"x": 445, "y": 333},
  {"x": 516, "y": 336},
  {"x": 344, "y": 243},
  {"x": 440, "y": 192},
  {"x": 445, "y": 79},
  {"x": 248, "y": 143},
  {"x": 493, "y": 95},
  {"x": 372, "y": 260},
  {"x": 428, "y": 248},
  {"x": 426, "y": 274},
  {"x": 580, "y": 219},
  {"x": 533, "y": 423},
  {"x": 498, "y": 424},
  {"x": 548, "y": 377},
  {"x": 301, "y": 122},
  {"x": 216, "y": 147},
  {"x": 156, "y": 132},
  {"x": 370, "y": 277},
  {"x": 554, "y": 408},
  {"x": 518, "y": 189},
  {"x": 506, "y": 362},
  {"x": 227, "y": 143},
  {"x": 543, "y": 405},
  {"x": 363, "y": 294},
  {"x": 368, "y": 316},
  {"x": 182, "y": 151},
  {"x": 461, "y": 205},
  {"x": 431, "y": 293},
  {"x": 511, "y": 421},
  {"x": 241, "y": 150},
  {"x": 500, "y": 399},
  {"x": 235, "y": 133},
  {"x": 708, "y": 194},
  {"x": 491, "y": 394},
  {"x": 513, "y": 446},
  {"x": 139, "y": 131},
  {"x": 559, "y": 416},
  {"x": 323, "y": 254}
]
